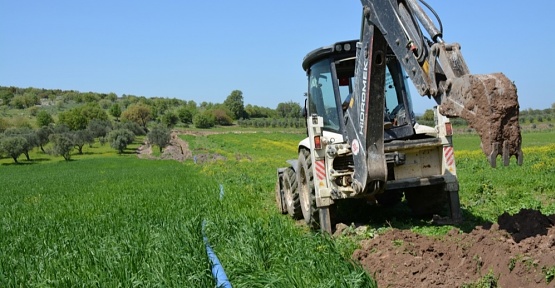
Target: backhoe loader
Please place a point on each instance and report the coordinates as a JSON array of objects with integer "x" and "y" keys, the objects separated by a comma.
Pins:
[{"x": 363, "y": 138}]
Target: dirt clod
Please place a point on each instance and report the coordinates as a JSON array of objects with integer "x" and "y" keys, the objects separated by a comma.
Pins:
[{"x": 489, "y": 103}]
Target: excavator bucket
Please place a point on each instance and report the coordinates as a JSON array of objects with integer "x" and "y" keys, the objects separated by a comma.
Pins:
[{"x": 489, "y": 103}]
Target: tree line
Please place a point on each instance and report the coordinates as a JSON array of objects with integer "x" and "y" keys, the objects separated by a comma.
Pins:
[
  {"x": 16, "y": 141},
  {"x": 169, "y": 111},
  {"x": 65, "y": 121},
  {"x": 525, "y": 116}
]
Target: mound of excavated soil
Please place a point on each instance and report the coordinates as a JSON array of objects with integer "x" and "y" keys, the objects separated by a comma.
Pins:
[
  {"x": 177, "y": 150},
  {"x": 516, "y": 251}
]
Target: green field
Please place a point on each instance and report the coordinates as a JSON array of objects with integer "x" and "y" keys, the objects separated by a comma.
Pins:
[
  {"x": 486, "y": 192},
  {"x": 109, "y": 220},
  {"x": 120, "y": 221}
]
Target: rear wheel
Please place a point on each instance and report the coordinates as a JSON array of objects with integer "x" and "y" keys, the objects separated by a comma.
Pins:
[
  {"x": 305, "y": 180},
  {"x": 291, "y": 194}
]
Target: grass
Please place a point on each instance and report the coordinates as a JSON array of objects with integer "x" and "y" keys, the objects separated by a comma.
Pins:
[
  {"x": 102, "y": 222},
  {"x": 279, "y": 250},
  {"x": 120, "y": 221},
  {"x": 486, "y": 193},
  {"x": 529, "y": 139},
  {"x": 115, "y": 220}
]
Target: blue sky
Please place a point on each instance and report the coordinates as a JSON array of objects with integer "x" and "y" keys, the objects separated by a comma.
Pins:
[{"x": 203, "y": 50}]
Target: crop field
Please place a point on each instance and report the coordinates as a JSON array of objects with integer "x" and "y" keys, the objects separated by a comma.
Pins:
[
  {"x": 117, "y": 220},
  {"x": 121, "y": 221},
  {"x": 487, "y": 192}
]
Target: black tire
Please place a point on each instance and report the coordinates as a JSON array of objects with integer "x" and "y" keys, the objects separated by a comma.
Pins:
[
  {"x": 305, "y": 181},
  {"x": 427, "y": 200},
  {"x": 291, "y": 194}
]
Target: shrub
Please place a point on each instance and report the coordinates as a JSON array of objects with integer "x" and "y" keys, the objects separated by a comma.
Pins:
[
  {"x": 44, "y": 118},
  {"x": 170, "y": 119},
  {"x": 221, "y": 117},
  {"x": 203, "y": 120}
]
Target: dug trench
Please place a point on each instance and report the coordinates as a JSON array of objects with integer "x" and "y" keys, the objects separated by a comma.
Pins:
[{"x": 517, "y": 251}]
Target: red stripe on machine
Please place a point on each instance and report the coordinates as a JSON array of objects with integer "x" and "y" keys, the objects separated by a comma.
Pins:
[
  {"x": 320, "y": 170},
  {"x": 449, "y": 156}
]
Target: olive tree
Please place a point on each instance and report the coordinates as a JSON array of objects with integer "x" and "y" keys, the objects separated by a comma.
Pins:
[
  {"x": 62, "y": 144},
  {"x": 99, "y": 128},
  {"x": 31, "y": 138},
  {"x": 80, "y": 138},
  {"x": 13, "y": 146},
  {"x": 159, "y": 136},
  {"x": 43, "y": 133},
  {"x": 120, "y": 138}
]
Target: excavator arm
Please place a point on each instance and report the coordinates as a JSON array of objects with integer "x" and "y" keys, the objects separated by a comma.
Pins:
[{"x": 489, "y": 103}]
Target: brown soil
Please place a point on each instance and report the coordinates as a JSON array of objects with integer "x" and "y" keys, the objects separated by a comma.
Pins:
[
  {"x": 519, "y": 251},
  {"x": 490, "y": 105}
]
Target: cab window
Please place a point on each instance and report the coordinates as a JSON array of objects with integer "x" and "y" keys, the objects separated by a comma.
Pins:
[{"x": 321, "y": 97}]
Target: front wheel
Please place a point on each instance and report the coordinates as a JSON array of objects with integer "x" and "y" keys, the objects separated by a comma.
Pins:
[
  {"x": 305, "y": 180},
  {"x": 291, "y": 194}
]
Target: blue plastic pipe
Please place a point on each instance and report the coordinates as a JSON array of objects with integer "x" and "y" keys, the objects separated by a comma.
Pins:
[{"x": 217, "y": 269}]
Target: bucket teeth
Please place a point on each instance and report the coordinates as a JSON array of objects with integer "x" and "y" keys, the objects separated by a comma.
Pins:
[{"x": 505, "y": 153}]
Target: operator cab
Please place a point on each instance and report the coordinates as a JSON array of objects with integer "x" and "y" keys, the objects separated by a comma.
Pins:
[{"x": 331, "y": 71}]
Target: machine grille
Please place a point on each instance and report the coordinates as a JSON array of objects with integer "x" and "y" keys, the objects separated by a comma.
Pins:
[{"x": 342, "y": 163}]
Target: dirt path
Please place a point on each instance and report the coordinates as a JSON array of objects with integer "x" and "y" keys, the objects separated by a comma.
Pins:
[{"x": 517, "y": 252}]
